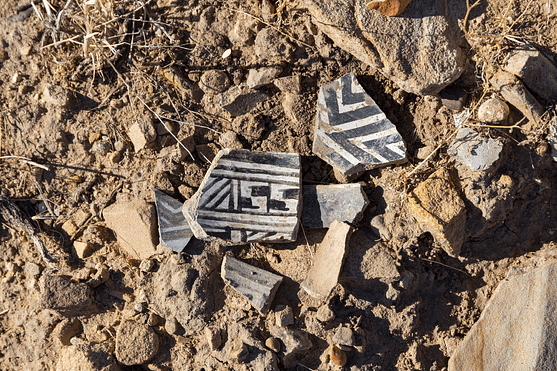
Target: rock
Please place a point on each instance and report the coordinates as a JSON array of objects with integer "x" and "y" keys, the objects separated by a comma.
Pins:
[
  {"x": 247, "y": 197},
  {"x": 174, "y": 230},
  {"x": 514, "y": 92},
  {"x": 337, "y": 356},
  {"x": 86, "y": 357},
  {"x": 101, "y": 147},
  {"x": 214, "y": 337},
  {"x": 239, "y": 99},
  {"x": 284, "y": 316},
  {"x": 239, "y": 351},
  {"x": 101, "y": 276},
  {"x": 272, "y": 46},
  {"x": 57, "y": 97},
  {"x": 175, "y": 77},
  {"x": 493, "y": 111},
  {"x": 389, "y": 8},
  {"x": 229, "y": 139},
  {"x": 135, "y": 344},
  {"x": 324, "y": 204},
  {"x": 294, "y": 342},
  {"x": 83, "y": 249},
  {"x": 32, "y": 269},
  {"x": 263, "y": 76},
  {"x": 142, "y": 133},
  {"x": 535, "y": 70},
  {"x": 453, "y": 98},
  {"x": 146, "y": 265},
  {"x": 171, "y": 325},
  {"x": 379, "y": 228},
  {"x": 421, "y": 52},
  {"x": 515, "y": 328},
  {"x": 214, "y": 82},
  {"x": 66, "y": 297},
  {"x": 178, "y": 152},
  {"x": 325, "y": 314},
  {"x": 473, "y": 151},
  {"x": 273, "y": 344},
  {"x": 289, "y": 84},
  {"x": 76, "y": 221},
  {"x": 552, "y": 138},
  {"x": 256, "y": 285},
  {"x": 344, "y": 336},
  {"x": 67, "y": 329},
  {"x": 243, "y": 31},
  {"x": 438, "y": 209},
  {"x": 268, "y": 10},
  {"x": 323, "y": 275},
  {"x": 135, "y": 228},
  {"x": 407, "y": 277},
  {"x": 352, "y": 134}
]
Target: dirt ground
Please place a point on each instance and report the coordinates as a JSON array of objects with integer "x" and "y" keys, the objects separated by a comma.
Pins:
[{"x": 73, "y": 114}]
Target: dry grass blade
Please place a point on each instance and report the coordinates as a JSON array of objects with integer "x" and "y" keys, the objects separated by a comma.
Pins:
[{"x": 26, "y": 160}]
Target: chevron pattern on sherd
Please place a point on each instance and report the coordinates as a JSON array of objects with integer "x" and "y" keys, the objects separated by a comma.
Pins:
[{"x": 352, "y": 133}]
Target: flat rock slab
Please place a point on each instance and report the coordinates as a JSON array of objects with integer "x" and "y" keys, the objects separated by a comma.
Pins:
[
  {"x": 473, "y": 151},
  {"x": 257, "y": 285},
  {"x": 247, "y": 197},
  {"x": 352, "y": 134},
  {"x": 323, "y": 275},
  {"x": 323, "y": 204},
  {"x": 420, "y": 50},
  {"x": 174, "y": 229},
  {"x": 438, "y": 209},
  {"x": 516, "y": 330}
]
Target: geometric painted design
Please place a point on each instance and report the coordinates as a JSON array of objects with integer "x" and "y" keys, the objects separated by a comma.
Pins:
[
  {"x": 247, "y": 197},
  {"x": 352, "y": 133},
  {"x": 174, "y": 229}
]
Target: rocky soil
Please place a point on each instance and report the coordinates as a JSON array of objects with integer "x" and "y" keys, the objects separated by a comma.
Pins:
[{"x": 91, "y": 122}]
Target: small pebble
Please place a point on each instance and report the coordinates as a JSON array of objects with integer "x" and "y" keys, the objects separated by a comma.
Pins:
[
  {"x": 171, "y": 325},
  {"x": 344, "y": 336},
  {"x": 337, "y": 356},
  {"x": 146, "y": 265},
  {"x": 325, "y": 314},
  {"x": 32, "y": 269},
  {"x": 493, "y": 110},
  {"x": 138, "y": 307},
  {"x": 273, "y": 344}
]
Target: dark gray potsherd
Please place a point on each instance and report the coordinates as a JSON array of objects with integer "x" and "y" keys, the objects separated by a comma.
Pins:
[
  {"x": 247, "y": 197},
  {"x": 323, "y": 204},
  {"x": 174, "y": 230},
  {"x": 257, "y": 285},
  {"x": 352, "y": 134}
]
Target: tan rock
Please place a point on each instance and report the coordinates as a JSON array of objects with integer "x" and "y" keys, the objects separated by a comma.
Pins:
[
  {"x": 323, "y": 275},
  {"x": 135, "y": 343},
  {"x": 438, "y": 209},
  {"x": 135, "y": 227},
  {"x": 87, "y": 357},
  {"x": 83, "y": 249}
]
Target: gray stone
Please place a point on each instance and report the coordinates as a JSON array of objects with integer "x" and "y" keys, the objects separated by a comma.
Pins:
[
  {"x": 379, "y": 228},
  {"x": 473, "y": 151},
  {"x": 294, "y": 342},
  {"x": 352, "y": 134},
  {"x": 65, "y": 296},
  {"x": 289, "y": 84},
  {"x": 239, "y": 99},
  {"x": 535, "y": 70},
  {"x": 407, "y": 277},
  {"x": 453, "y": 98},
  {"x": 515, "y": 330},
  {"x": 135, "y": 228},
  {"x": 421, "y": 51},
  {"x": 214, "y": 82},
  {"x": 273, "y": 344},
  {"x": 263, "y": 76},
  {"x": 255, "y": 284},
  {"x": 136, "y": 344},
  {"x": 174, "y": 230},
  {"x": 514, "y": 92},
  {"x": 344, "y": 336},
  {"x": 325, "y": 314},
  {"x": 324, "y": 204},
  {"x": 493, "y": 111},
  {"x": 32, "y": 269},
  {"x": 378, "y": 264},
  {"x": 57, "y": 97},
  {"x": 142, "y": 133},
  {"x": 247, "y": 197},
  {"x": 284, "y": 316},
  {"x": 323, "y": 275}
]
